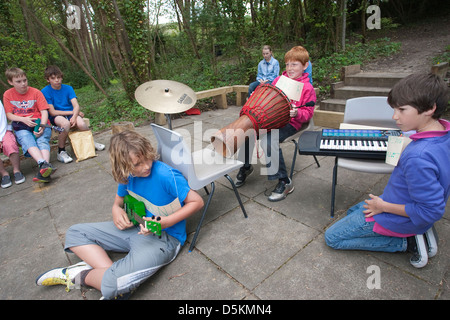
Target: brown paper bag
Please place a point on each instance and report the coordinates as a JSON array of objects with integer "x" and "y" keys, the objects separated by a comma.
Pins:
[{"x": 82, "y": 144}]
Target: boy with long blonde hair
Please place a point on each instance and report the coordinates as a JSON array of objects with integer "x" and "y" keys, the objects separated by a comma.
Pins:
[{"x": 164, "y": 192}]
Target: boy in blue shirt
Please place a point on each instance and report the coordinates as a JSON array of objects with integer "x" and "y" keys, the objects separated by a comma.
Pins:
[
  {"x": 416, "y": 194},
  {"x": 64, "y": 110},
  {"x": 165, "y": 193}
]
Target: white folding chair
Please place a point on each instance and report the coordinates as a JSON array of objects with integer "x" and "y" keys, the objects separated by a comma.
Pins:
[
  {"x": 368, "y": 111},
  {"x": 200, "y": 168}
]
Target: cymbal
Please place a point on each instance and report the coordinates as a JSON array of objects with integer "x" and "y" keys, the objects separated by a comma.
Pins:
[{"x": 165, "y": 96}]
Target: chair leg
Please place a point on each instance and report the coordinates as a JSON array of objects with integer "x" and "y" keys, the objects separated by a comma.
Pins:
[
  {"x": 333, "y": 186},
  {"x": 237, "y": 195},
  {"x": 202, "y": 217},
  {"x": 294, "y": 158}
]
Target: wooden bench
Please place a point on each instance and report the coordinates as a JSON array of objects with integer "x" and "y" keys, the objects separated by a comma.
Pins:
[
  {"x": 219, "y": 95},
  {"x": 241, "y": 94}
]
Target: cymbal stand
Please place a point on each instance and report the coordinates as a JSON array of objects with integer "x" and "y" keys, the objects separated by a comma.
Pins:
[{"x": 169, "y": 120}]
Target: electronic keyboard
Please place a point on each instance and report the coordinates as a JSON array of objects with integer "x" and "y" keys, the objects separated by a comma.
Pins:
[{"x": 350, "y": 143}]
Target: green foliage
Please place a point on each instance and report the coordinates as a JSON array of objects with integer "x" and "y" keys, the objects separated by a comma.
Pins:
[
  {"x": 103, "y": 112},
  {"x": 327, "y": 69},
  {"x": 20, "y": 53},
  {"x": 444, "y": 57}
]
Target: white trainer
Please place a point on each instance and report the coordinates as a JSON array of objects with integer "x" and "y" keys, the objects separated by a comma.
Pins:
[
  {"x": 64, "y": 157},
  {"x": 99, "y": 146},
  {"x": 64, "y": 276}
]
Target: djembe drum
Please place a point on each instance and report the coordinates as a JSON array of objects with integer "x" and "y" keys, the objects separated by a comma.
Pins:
[{"x": 267, "y": 108}]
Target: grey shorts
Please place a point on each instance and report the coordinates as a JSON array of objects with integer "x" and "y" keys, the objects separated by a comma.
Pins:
[{"x": 146, "y": 254}]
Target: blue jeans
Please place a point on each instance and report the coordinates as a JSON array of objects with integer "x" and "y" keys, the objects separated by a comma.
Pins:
[
  {"x": 272, "y": 144},
  {"x": 252, "y": 86},
  {"x": 353, "y": 233},
  {"x": 27, "y": 140}
]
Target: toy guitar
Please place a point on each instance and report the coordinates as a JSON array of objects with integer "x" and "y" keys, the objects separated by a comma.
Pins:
[
  {"x": 135, "y": 211},
  {"x": 38, "y": 124}
]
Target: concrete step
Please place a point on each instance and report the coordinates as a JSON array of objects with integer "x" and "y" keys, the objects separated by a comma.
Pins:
[
  {"x": 337, "y": 105},
  {"x": 349, "y": 92},
  {"x": 374, "y": 79}
]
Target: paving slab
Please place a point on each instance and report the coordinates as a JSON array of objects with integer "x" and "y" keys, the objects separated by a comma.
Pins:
[{"x": 277, "y": 253}]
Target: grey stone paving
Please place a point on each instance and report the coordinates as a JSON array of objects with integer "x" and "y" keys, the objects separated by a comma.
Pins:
[{"x": 277, "y": 253}]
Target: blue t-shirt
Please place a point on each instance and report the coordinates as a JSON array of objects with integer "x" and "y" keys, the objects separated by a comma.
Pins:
[
  {"x": 60, "y": 99},
  {"x": 163, "y": 192}
]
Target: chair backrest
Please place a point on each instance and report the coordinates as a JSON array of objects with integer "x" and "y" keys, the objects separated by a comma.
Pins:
[
  {"x": 370, "y": 111},
  {"x": 173, "y": 150}
]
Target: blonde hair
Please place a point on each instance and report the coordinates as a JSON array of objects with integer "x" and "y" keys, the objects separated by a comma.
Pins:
[
  {"x": 297, "y": 53},
  {"x": 122, "y": 145},
  {"x": 12, "y": 73}
]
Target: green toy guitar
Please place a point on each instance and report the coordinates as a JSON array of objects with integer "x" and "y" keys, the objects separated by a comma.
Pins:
[{"x": 135, "y": 211}]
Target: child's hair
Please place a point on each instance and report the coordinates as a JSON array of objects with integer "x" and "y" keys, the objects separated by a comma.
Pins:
[
  {"x": 14, "y": 73},
  {"x": 52, "y": 71},
  {"x": 122, "y": 145},
  {"x": 297, "y": 53},
  {"x": 267, "y": 47},
  {"x": 420, "y": 91}
]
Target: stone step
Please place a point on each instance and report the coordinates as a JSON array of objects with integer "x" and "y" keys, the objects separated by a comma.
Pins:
[
  {"x": 348, "y": 92},
  {"x": 337, "y": 105},
  {"x": 374, "y": 79}
]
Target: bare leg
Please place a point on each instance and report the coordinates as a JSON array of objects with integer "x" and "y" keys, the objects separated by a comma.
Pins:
[
  {"x": 98, "y": 259},
  {"x": 3, "y": 172},
  {"x": 15, "y": 161},
  {"x": 62, "y": 136},
  {"x": 38, "y": 154}
]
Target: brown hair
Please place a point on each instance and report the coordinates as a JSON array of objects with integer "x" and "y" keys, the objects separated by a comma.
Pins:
[
  {"x": 122, "y": 145},
  {"x": 420, "y": 91},
  {"x": 52, "y": 70},
  {"x": 297, "y": 53},
  {"x": 14, "y": 73}
]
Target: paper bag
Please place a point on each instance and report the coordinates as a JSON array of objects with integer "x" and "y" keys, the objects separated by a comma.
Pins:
[{"x": 82, "y": 144}]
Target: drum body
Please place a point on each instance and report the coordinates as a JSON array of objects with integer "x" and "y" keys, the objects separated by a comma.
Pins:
[{"x": 267, "y": 108}]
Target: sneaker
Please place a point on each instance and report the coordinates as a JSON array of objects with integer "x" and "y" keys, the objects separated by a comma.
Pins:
[
  {"x": 242, "y": 175},
  {"x": 416, "y": 245},
  {"x": 46, "y": 169},
  {"x": 6, "y": 181},
  {"x": 64, "y": 157},
  {"x": 64, "y": 276},
  {"x": 432, "y": 240},
  {"x": 19, "y": 178},
  {"x": 40, "y": 178},
  {"x": 281, "y": 191},
  {"x": 99, "y": 146}
]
